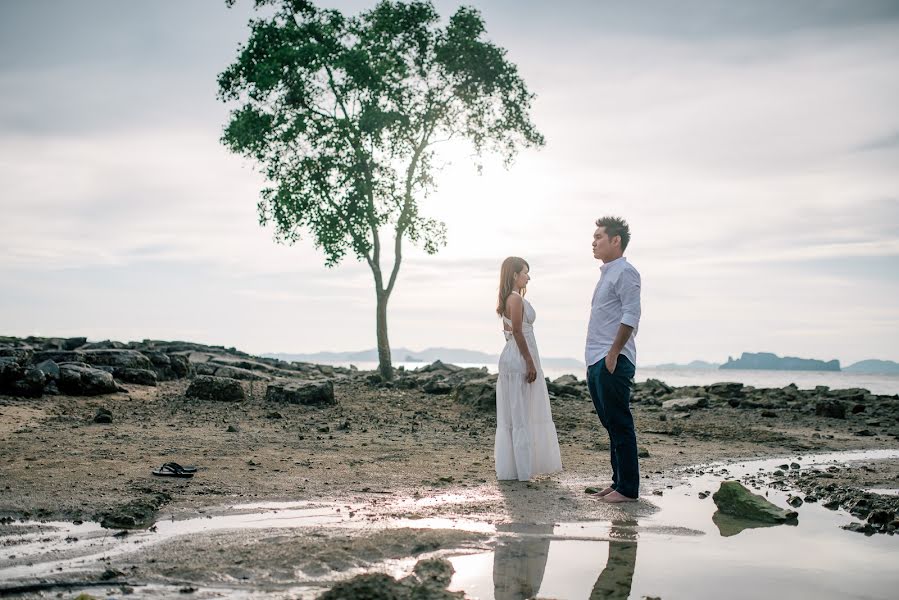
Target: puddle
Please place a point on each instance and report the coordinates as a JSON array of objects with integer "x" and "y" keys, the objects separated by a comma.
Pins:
[
  {"x": 679, "y": 552},
  {"x": 676, "y": 552}
]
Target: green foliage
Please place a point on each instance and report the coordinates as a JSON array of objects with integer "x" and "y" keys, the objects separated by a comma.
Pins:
[{"x": 342, "y": 113}]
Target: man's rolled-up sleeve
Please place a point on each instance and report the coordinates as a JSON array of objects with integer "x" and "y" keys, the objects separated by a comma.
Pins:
[{"x": 628, "y": 289}]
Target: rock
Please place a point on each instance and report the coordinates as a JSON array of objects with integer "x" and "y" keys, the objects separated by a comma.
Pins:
[
  {"x": 725, "y": 389},
  {"x": 21, "y": 355},
  {"x": 864, "y": 433},
  {"x": 50, "y": 369},
  {"x": 437, "y": 386},
  {"x": 29, "y": 385},
  {"x": 566, "y": 380},
  {"x": 479, "y": 394},
  {"x": 137, "y": 514},
  {"x": 642, "y": 453},
  {"x": 735, "y": 500},
  {"x": 565, "y": 390},
  {"x": 433, "y": 573},
  {"x": 81, "y": 380},
  {"x": 438, "y": 366},
  {"x": 769, "y": 414},
  {"x": 138, "y": 376},
  {"x": 370, "y": 586},
  {"x": 794, "y": 501},
  {"x": 233, "y": 429},
  {"x": 60, "y": 356},
  {"x": 73, "y": 343},
  {"x": 311, "y": 393},
  {"x": 104, "y": 415},
  {"x": 684, "y": 404},
  {"x": 428, "y": 581},
  {"x": 217, "y": 370},
  {"x": 833, "y": 409},
  {"x": 858, "y": 408},
  {"x": 881, "y": 517},
  {"x": 215, "y": 388},
  {"x": 867, "y": 528},
  {"x": 125, "y": 359}
]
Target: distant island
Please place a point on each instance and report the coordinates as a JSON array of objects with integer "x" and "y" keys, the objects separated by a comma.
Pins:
[
  {"x": 772, "y": 362},
  {"x": 874, "y": 367},
  {"x": 695, "y": 365},
  {"x": 429, "y": 355},
  {"x": 748, "y": 360}
]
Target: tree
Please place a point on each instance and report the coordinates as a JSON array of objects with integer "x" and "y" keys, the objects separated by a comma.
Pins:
[{"x": 342, "y": 115}]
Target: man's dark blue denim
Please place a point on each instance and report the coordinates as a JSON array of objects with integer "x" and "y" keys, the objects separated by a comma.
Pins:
[{"x": 611, "y": 393}]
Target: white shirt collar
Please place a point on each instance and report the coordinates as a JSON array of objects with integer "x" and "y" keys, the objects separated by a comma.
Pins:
[{"x": 609, "y": 264}]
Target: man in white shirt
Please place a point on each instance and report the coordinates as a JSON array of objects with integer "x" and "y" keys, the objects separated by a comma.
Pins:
[{"x": 611, "y": 354}]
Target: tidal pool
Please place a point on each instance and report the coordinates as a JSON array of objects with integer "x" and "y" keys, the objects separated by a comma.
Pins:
[
  {"x": 680, "y": 552},
  {"x": 675, "y": 550}
]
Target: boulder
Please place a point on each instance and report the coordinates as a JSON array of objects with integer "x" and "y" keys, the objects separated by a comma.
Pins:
[
  {"x": 438, "y": 366},
  {"x": 217, "y": 370},
  {"x": 566, "y": 380},
  {"x": 735, "y": 500},
  {"x": 478, "y": 394},
  {"x": 223, "y": 389},
  {"x": 78, "y": 379},
  {"x": 725, "y": 389},
  {"x": 310, "y": 393},
  {"x": 59, "y": 356},
  {"x": 437, "y": 386},
  {"x": 20, "y": 354},
  {"x": 125, "y": 359},
  {"x": 138, "y": 376},
  {"x": 833, "y": 409},
  {"x": 180, "y": 365},
  {"x": 570, "y": 390},
  {"x": 684, "y": 404},
  {"x": 49, "y": 368}
]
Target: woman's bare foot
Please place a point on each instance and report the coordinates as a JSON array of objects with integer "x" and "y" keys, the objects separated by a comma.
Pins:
[{"x": 614, "y": 497}]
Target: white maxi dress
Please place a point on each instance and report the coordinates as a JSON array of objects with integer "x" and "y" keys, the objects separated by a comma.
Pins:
[{"x": 526, "y": 441}]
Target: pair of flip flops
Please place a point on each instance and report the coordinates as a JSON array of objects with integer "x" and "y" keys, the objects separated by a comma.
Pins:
[{"x": 173, "y": 469}]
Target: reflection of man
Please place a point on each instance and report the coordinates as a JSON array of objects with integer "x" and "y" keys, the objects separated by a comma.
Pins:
[
  {"x": 615, "y": 580},
  {"x": 611, "y": 354}
]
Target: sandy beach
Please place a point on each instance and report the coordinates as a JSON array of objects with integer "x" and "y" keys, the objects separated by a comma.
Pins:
[{"x": 381, "y": 451}]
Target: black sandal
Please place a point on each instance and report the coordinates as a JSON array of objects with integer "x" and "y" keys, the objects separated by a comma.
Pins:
[{"x": 173, "y": 470}]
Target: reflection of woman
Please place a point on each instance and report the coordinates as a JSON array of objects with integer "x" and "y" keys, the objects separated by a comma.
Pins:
[
  {"x": 518, "y": 563},
  {"x": 526, "y": 441}
]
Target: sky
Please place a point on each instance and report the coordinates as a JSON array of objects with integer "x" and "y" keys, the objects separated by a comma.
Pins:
[{"x": 753, "y": 148}]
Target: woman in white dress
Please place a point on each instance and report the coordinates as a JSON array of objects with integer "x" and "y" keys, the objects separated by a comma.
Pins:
[{"x": 526, "y": 441}]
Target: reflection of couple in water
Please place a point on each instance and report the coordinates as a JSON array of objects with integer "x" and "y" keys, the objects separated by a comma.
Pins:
[{"x": 526, "y": 441}]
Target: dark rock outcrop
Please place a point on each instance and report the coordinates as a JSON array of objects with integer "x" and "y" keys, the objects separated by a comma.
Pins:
[
  {"x": 312, "y": 393},
  {"x": 221, "y": 389}
]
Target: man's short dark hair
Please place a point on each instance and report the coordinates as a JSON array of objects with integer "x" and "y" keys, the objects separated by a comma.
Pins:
[{"x": 616, "y": 226}]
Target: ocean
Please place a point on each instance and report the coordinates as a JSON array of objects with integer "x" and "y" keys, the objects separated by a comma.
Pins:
[{"x": 876, "y": 384}]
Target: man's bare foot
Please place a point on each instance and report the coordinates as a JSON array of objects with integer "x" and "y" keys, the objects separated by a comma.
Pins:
[
  {"x": 605, "y": 492},
  {"x": 614, "y": 497}
]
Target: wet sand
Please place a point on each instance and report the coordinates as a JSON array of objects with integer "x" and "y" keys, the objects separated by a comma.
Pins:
[{"x": 382, "y": 453}]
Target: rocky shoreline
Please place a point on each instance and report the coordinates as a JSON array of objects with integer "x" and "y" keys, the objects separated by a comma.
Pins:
[{"x": 83, "y": 425}]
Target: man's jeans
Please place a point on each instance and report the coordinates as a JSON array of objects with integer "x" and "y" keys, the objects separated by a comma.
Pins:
[{"x": 611, "y": 393}]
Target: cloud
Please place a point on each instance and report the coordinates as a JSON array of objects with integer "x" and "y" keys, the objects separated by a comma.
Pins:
[{"x": 750, "y": 148}]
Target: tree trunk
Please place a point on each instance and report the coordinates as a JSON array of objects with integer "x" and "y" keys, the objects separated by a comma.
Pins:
[{"x": 384, "y": 365}]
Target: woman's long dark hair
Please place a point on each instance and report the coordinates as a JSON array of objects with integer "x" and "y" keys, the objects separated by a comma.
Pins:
[{"x": 512, "y": 266}]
